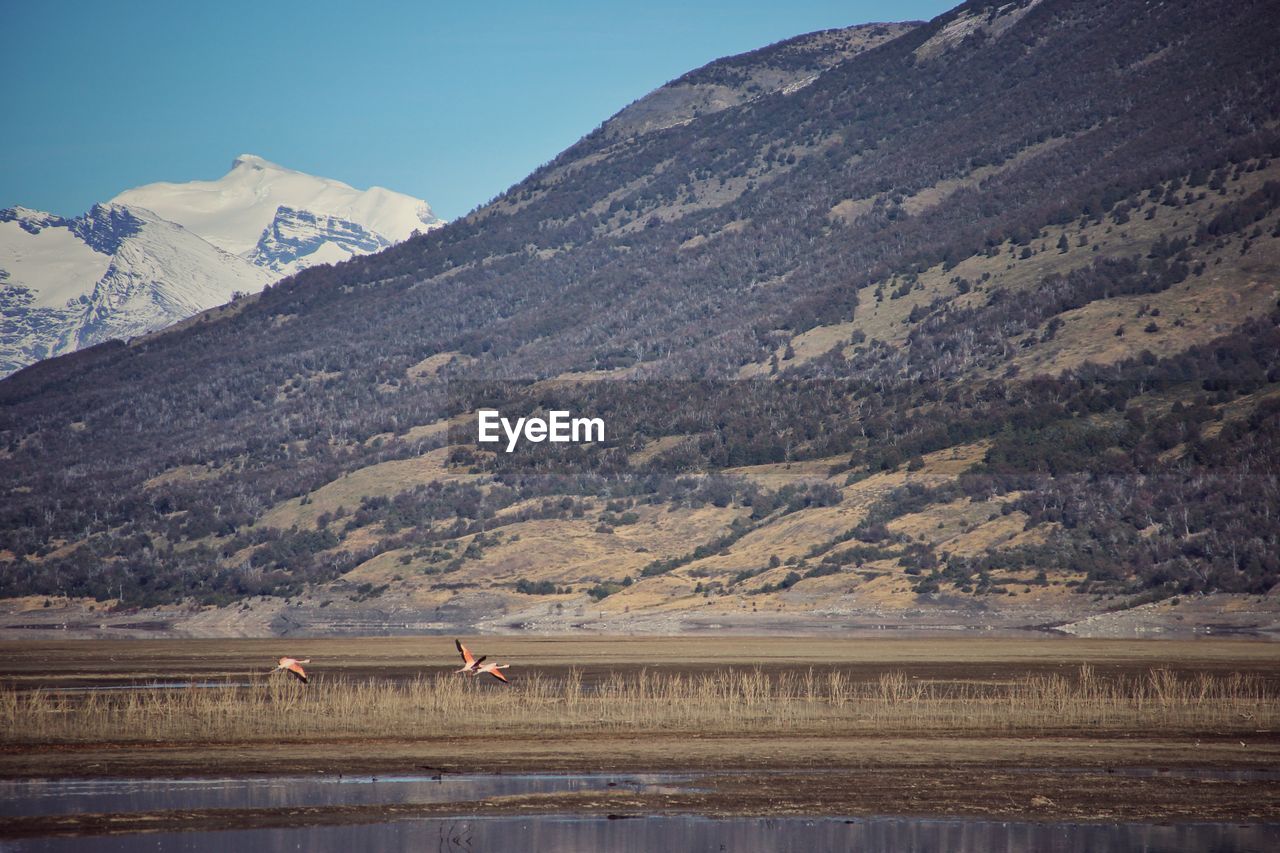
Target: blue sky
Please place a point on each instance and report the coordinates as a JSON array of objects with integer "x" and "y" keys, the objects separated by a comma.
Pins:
[{"x": 452, "y": 102}]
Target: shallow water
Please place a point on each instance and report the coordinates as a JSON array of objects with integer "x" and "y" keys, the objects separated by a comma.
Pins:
[
  {"x": 82, "y": 796},
  {"x": 570, "y": 833},
  {"x": 567, "y": 834}
]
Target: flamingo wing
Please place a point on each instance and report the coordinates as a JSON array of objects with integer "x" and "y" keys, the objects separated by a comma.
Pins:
[
  {"x": 466, "y": 655},
  {"x": 296, "y": 669},
  {"x": 498, "y": 675}
]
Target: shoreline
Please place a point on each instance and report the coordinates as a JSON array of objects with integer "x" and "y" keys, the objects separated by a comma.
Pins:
[
  {"x": 977, "y": 792},
  {"x": 1207, "y": 616},
  {"x": 1082, "y": 777}
]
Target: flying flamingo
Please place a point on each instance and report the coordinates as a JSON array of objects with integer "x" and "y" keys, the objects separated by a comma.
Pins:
[
  {"x": 469, "y": 663},
  {"x": 492, "y": 669},
  {"x": 295, "y": 666}
]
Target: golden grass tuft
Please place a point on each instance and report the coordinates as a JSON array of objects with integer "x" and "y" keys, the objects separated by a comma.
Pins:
[{"x": 812, "y": 701}]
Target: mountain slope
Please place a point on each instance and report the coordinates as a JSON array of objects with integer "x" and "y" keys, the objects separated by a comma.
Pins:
[
  {"x": 784, "y": 67},
  {"x": 1001, "y": 286}
]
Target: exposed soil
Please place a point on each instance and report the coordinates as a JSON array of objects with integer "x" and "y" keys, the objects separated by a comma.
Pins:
[{"x": 964, "y": 657}]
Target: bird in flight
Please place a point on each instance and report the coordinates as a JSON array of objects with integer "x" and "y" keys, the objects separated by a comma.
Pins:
[
  {"x": 492, "y": 669},
  {"x": 469, "y": 662},
  {"x": 472, "y": 665},
  {"x": 295, "y": 666}
]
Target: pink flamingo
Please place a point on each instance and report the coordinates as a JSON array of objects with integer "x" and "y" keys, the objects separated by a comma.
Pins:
[
  {"x": 492, "y": 669},
  {"x": 295, "y": 666},
  {"x": 469, "y": 663}
]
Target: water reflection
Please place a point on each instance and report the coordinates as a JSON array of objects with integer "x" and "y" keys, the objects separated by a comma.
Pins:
[
  {"x": 694, "y": 834},
  {"x": 557, "y": 832}
]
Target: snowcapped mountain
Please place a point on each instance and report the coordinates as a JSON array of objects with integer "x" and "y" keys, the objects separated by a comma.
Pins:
[
  {"x": 163, "y": 252},
  {"x": 114, "y": 272},
  {"x": 285, "y": 220}
]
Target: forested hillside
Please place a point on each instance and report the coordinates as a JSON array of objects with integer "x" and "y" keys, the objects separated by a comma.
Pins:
[{"x": 979, "y": 313}]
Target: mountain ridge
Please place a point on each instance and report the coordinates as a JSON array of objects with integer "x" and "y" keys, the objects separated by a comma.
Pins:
[{"x": 785, "y": 66}]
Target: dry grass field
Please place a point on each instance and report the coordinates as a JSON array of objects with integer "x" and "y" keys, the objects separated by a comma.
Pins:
[
  {"x": 346, "y": 492},
  {"x": 743, "y": 700}
]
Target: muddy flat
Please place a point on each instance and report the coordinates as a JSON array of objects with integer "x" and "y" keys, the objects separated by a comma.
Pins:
[{"x": 26, "y": 664}]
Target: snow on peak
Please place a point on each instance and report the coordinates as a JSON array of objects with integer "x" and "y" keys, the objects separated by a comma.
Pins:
[
  {"x": 236, "y": 210},
  {"x": 114, "y": 272},
  {"x": 18, "y": 213},
  {"x": 31, "y": 221},
  {"x": 253, "y": 161},
  {"x": 162, "y": 252}
]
